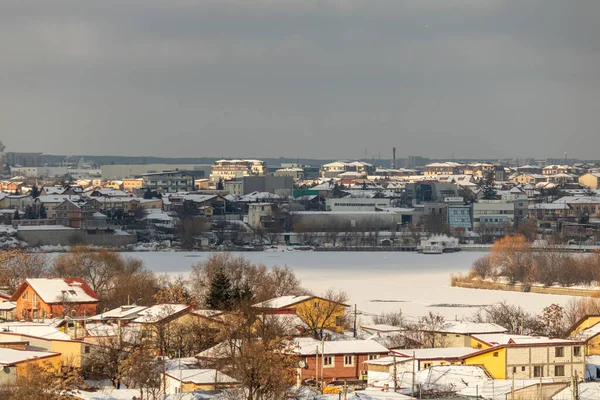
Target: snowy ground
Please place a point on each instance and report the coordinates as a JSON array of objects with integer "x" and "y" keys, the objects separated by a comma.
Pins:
[{"x": 376, "y": 281}]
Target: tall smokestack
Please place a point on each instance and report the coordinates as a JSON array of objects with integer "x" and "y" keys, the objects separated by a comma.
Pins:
[{"x": 393, "y": 158}]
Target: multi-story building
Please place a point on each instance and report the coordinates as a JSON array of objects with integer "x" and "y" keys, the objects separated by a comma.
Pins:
[
  {"x": 525, "y": 357},
  {"x": 22, "y": 159},
  {"x": 294, "y": 172},
  {"x": 493, "y": 219},
  {"x": 169, "y": 181},
  {"x": 230, "y": 169},
  {"x": 443, "y": 168},
  {"x": 334, "y": 169},
  {"x": 356, "y": 204},
  {"x": 131, "y": 184},
  {"x": 459, "y": 215},
  {"x": 591, "y": 180},
  {"x": 72, "y": 214},
  {"x": 559, "y": 169},
  {"x": 429, "y": 191}
]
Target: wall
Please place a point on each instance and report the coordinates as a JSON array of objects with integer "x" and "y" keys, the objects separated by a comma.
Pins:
[
  {"x": 495, "y": 365},
  {"x": 69, "y": 237},
  {"x": 521, "y": 360},
  {"x": 337, "y": 371}
]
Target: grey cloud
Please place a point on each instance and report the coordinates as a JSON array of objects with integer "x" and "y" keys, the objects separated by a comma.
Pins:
[{"x": 308, "y": 78}]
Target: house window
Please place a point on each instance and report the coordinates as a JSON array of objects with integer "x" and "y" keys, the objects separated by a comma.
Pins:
[
  {"x": 559, "y": 370},
  {"x": 328, "y": 361},
  {"x": 86, "y": 349},
  {"x": 495, "y": 354},
  {"x": 522, "y": 369},
  {"x": 339, "y": 321},
  {"x": 316, "y": 304},
  {"x": 538, "y": 371},
  {"x": 577, "y": 351},
  {"x": 373, "y": 356},
  {"x": 34, "y": 297},
  {"x": 348, "y": 360},
  {"x": 514, "y": 370},
  {"x": 427, "y": 365},
  {"x": 24, "y": 297},
  {"x": 559, "y": 352}
]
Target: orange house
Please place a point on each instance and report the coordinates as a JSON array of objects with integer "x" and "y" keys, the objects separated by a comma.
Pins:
[{"x": 52, "y": 297}]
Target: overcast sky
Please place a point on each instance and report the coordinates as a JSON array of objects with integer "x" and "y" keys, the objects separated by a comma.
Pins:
[{"x": 308, "y": 78}]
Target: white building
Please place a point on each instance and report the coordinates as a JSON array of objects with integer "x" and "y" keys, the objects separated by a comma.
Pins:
[
  {"x": 356, "y": 204},
  {"x": 231, "y": 169}
]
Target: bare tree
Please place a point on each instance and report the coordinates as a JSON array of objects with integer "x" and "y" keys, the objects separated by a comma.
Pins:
[
  {"x": 259, "y": 357},
  {"x": 16, "y": 265},
  {"x": 326, "y": 314}
]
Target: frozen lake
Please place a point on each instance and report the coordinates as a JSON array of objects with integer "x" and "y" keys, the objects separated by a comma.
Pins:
[{"x": 375, "y": 281}]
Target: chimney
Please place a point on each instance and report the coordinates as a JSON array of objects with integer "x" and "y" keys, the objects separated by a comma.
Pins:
[{"x": 393, "y": 158}]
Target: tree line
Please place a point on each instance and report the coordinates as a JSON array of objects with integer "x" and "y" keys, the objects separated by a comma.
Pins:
[{"x": 514, "y": 260}]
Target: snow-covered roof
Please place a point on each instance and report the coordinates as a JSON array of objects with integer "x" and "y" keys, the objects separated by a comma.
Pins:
[
  {"x": 255, "y": 196},
  {"x": 588, "y": 333},
  {"x": 159, "y": 312},
  {"x": 306, "y": 347},
  {"x": 59, "y": 290},
  {"x": 496, "y": 339},
  {"x": 468, "y": 328},
  {"x": 7, "y": 306},
  {"x": 585, "y": 391},
  {"x": 437, "y": 353},
  {"x": 444, "y": 164},
  {"x": 381, "y": 328},
  {"x": 34, "y": 329},
  {"x": 578, "y": 200},
  {"x": 200, "y": 376},
  {"x": 58, "y": 198},
  {"x": 282, "y": 302},
  {"x": 123, "y": 312},
  {"x": 11, "y": 357}
]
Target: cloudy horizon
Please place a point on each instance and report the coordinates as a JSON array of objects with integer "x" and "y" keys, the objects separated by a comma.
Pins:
[{"x": 301, "y": 78}]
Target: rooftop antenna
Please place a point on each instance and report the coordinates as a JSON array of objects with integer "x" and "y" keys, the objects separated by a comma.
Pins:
[{"x": 566, "y": 154}]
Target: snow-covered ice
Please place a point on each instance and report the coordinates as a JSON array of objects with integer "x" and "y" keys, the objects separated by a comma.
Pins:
[{"x": 375, "y": 281}]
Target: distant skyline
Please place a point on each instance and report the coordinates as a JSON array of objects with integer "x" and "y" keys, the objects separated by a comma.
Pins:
[{"x": 301, "y": 78}]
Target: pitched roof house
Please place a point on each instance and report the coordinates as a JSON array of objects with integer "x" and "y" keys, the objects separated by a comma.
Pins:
[{"x": 50, "y": 297}]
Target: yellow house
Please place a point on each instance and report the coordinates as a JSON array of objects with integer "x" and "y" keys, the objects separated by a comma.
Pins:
[
  {"x": 189, "y": 380},
  {"x": 71, "y": 352},
  {"x": 16, "y": 363},
  {"x": 161, "y": 318},
  {"x": 590, "y": 180},
  {"x": 587, "y": 329},
  {"x": 526, "y": 357},
  {"x": 314, "y": 311}
]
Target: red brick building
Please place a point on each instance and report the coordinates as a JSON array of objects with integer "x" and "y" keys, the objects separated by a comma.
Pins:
[{"x": 336, "y": 360}]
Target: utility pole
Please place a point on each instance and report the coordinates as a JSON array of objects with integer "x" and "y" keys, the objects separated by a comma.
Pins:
[
  {"x": 322, "y": 364},
  {"x": 395, "y": 372},
  {"x": 355, "y": 320},
  {"x": 413, "y": 375}
]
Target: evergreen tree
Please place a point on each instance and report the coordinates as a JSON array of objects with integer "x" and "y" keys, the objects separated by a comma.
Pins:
[
  {"x": 487, "y": 185},
  {"x": 220, "y": 185},
  {"x": 35, "y": 192},
  {"x": 148, "y": 195},
  {"x": 43, "y": 214},
  {"x": 221, "y": 295}
]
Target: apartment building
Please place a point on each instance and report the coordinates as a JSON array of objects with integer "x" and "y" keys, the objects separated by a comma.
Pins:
[
  {"x": 443, "y": 168},
  {"x": 230, "y": 169},
  {"x": 526, "y": 357}
]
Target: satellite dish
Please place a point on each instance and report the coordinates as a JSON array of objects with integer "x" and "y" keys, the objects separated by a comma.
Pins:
[{"x": 302, "y": 364}]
